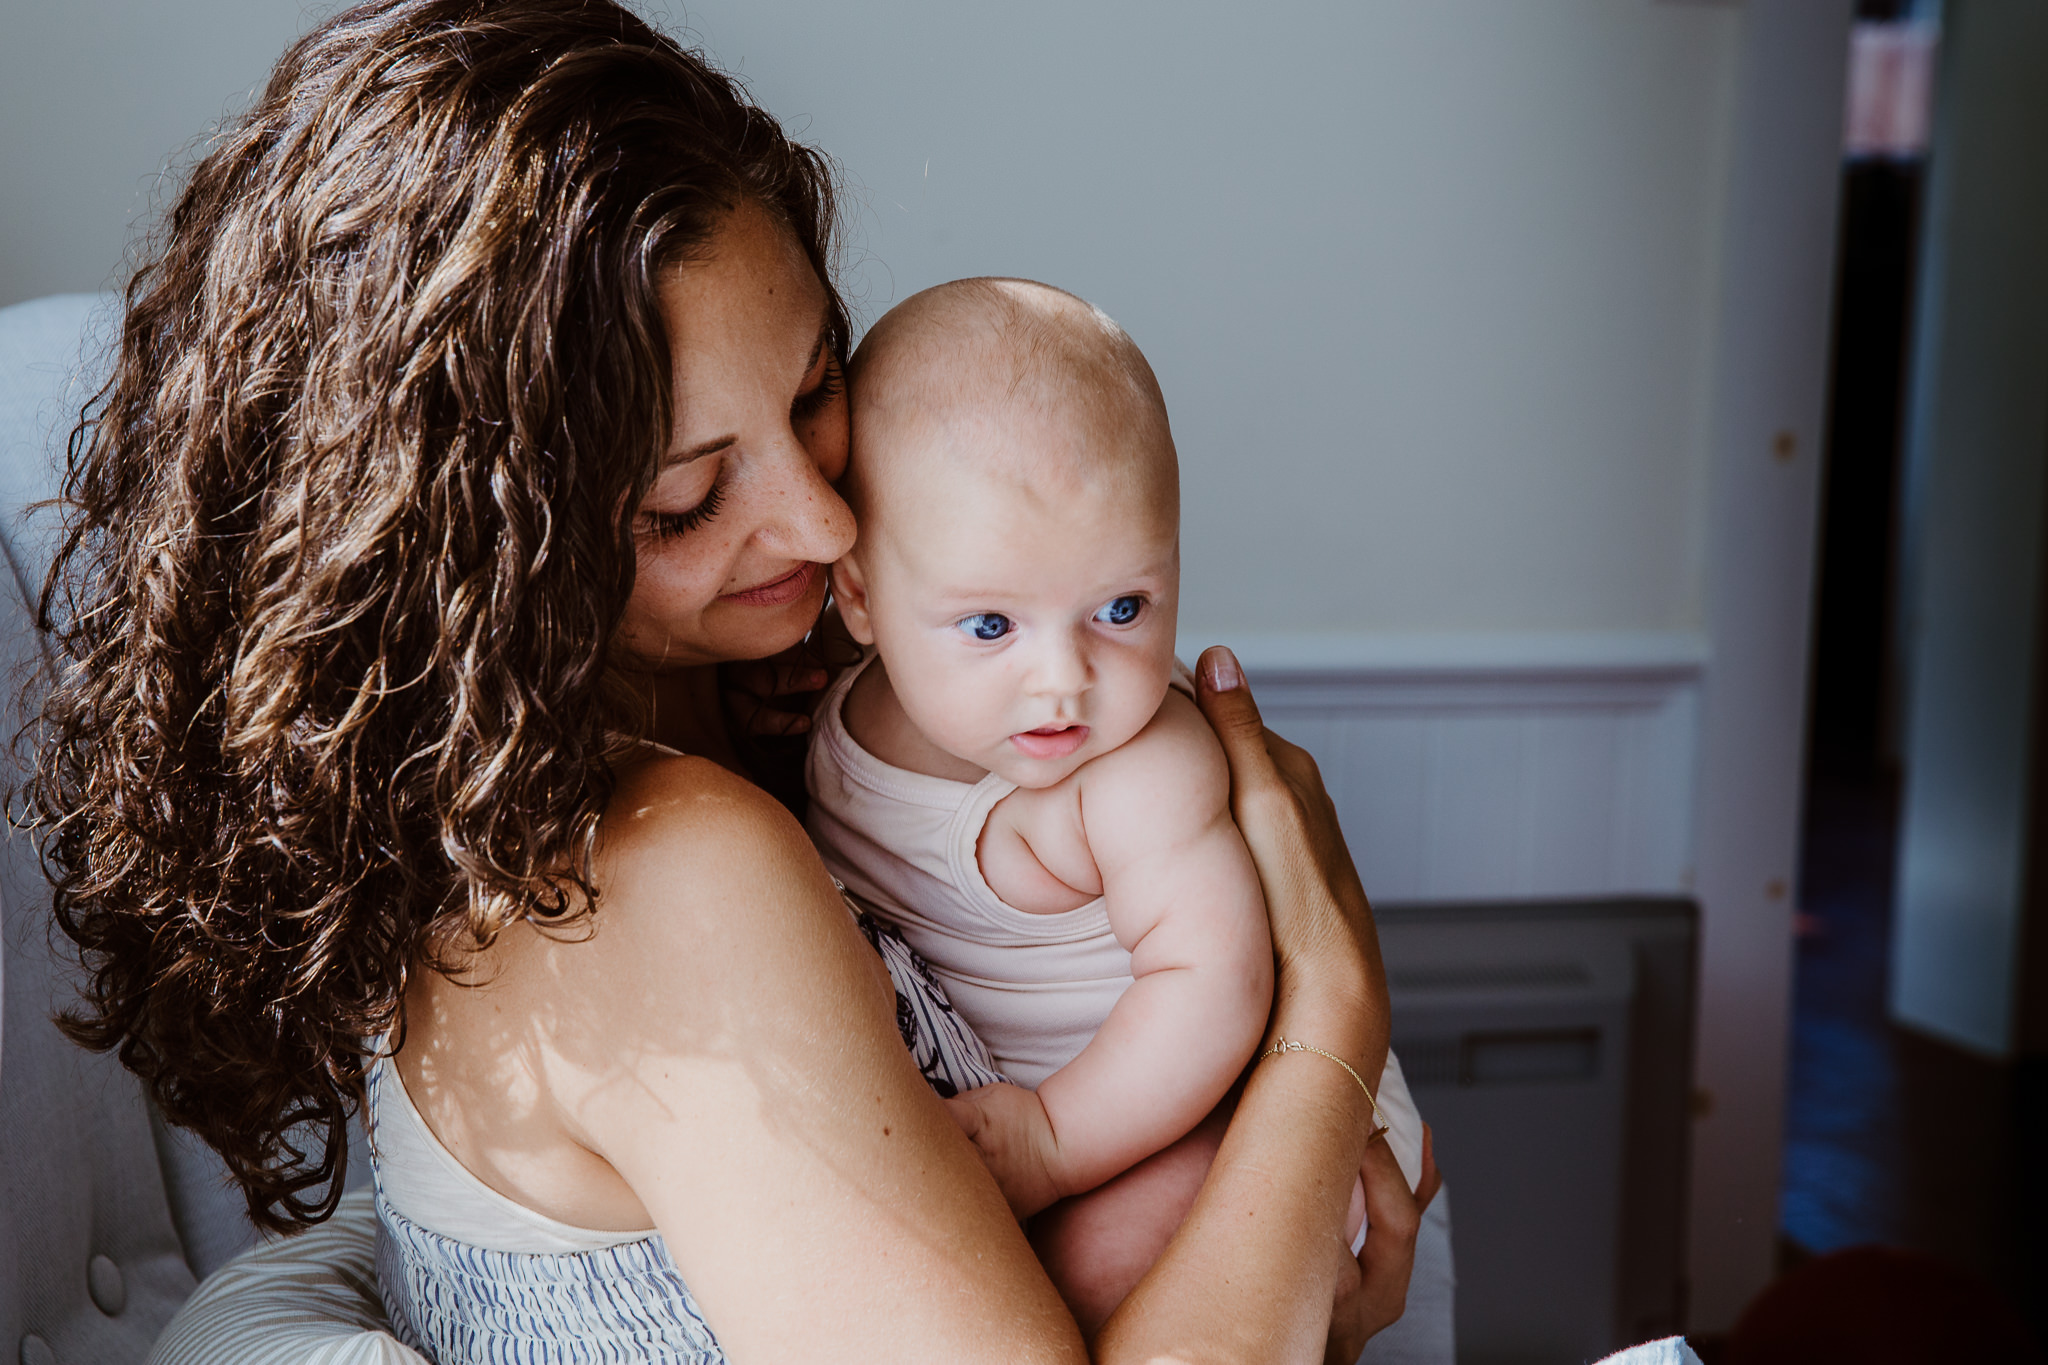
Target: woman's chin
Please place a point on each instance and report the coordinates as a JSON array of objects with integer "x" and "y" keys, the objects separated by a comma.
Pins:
[{"x": 727, "y": 630}]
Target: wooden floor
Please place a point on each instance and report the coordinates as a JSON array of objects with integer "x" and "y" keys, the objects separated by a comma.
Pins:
[{"x": 1891, "y": 1137}]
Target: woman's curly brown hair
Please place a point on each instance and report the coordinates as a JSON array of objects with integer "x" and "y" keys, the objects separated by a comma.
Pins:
[{"x": 348, "y": 535}]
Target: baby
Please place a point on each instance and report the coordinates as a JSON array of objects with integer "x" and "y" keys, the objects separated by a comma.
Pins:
[{"x": 1018, "y": 778}]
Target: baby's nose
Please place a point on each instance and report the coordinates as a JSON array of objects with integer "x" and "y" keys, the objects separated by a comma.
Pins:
[{"x": 1063, "y": 669}]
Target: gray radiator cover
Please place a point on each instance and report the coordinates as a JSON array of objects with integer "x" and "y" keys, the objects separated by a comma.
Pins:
[{"x": 1549, "y": 1046}]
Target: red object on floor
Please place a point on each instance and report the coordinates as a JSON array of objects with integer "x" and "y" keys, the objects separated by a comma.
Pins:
[{"x": 1880, "y": 1306}]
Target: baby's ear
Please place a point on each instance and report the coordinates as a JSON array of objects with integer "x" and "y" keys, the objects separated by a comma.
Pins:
[{"x": 850, "y": 591}]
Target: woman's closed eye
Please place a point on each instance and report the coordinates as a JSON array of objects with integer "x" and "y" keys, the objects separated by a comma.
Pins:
[
  {"x": 1121, "y": 611},
  {"x": 814, "y": 400},
  {"x": 987, "y": 625},
  {"x": 667, "y": 525}
]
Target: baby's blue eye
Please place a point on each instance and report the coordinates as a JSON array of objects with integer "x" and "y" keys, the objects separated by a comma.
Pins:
[
  {"x": 1122, "y": 611},
  {"x": 988, "y": 625}
]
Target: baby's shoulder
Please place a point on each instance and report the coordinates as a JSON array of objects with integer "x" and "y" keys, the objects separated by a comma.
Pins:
[{"x": 1172, "y": 773}]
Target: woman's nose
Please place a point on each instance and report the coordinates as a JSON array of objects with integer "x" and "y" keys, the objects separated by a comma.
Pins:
[{"x": 805, "y": 517}]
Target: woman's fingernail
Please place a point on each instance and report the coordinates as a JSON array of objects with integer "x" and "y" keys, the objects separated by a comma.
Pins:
[
  {"x": 816, "y": 678},
  {"x": 799, "y": 724},
  {"x": 1220, "y": 666}
]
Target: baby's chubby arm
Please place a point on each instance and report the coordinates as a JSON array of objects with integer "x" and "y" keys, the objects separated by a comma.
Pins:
[{"x": 1184, "y": 898}]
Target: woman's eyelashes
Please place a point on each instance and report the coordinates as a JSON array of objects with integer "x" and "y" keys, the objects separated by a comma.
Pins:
[
  {"x": 987, "y": 625},
  {"x": 1121, "y": 611},
  {"x": 814, "y": 400},
  {"x": 819, "y": 396},
  {"x": 666, "y": 525}
]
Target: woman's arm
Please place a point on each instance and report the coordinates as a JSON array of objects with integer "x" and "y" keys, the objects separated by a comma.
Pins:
[{"x": 726, "y": 1041}]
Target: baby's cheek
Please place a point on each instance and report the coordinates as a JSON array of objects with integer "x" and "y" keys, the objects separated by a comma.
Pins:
[
  {"x": 958, "y": 717},
  {"x": 1120, "y": 726},
  {"x": 988, "y": 735}
]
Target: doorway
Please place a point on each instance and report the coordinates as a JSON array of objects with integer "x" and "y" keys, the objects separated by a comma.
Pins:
[{"x": 1893, "y": 1137}]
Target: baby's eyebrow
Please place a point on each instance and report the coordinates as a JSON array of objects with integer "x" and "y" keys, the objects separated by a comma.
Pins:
[{"x": 998, "y": 597}]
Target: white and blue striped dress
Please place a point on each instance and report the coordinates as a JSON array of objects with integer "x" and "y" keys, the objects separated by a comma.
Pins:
[{"x": 463, "y": 1304}]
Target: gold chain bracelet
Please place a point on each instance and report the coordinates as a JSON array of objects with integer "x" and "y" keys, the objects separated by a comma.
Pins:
[{"x": 1380, "y": 1123}]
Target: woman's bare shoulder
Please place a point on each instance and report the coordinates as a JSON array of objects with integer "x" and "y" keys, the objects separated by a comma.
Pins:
[
  {"x": 712, "y": 908},
  {"x": 676, "y": 806},
  {"x": 726, "y": 1041},
  {"x": 689, "y": 851}
]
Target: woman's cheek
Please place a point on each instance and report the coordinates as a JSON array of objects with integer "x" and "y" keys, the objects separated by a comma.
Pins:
[{"x": 660, "y": 602}]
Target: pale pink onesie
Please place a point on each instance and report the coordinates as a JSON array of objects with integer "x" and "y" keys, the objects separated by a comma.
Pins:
[{"x": 1034, "y": 987}]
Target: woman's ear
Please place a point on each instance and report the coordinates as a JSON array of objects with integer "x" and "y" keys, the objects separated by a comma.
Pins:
[{"x": 850, "y": 591}]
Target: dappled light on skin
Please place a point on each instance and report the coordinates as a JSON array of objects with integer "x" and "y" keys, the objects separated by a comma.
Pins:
[{"x": 668, "y": 1016}]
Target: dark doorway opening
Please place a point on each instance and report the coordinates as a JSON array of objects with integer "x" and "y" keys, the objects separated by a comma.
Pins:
[
  {"x": 1845, "y": 1155},
  {"x": 1892, "y": 1138}
]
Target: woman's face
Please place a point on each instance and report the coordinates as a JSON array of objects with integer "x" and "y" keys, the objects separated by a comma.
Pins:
[{"x": 733, "y": 536}]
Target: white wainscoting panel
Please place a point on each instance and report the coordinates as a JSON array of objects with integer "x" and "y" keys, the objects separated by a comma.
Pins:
[{"x": 1473, "y": 767}]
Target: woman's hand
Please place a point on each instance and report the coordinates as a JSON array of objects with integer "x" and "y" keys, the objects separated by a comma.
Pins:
[
  {"x": 1323, "y": 934},
  {"x": 774, "y": 697},
  {"x": 769, "y": 698},
  {"x": 1372, "y": 1292},
  {"x": 1330, "y": 984},
  {"x": 769, "y": 702}
]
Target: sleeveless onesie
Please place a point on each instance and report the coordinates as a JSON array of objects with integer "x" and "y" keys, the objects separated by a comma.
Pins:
[{"x": 1033, "y": 987}]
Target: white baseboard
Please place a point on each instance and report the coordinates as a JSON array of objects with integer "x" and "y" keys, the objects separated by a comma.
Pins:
[{"x": 1483, "y": 766}]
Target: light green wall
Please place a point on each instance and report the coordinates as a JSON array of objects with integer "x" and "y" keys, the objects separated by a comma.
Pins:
[{"x": 1428, "y": 282}]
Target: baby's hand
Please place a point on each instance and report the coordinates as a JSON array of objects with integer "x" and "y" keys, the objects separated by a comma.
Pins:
[{"x": 1009, "y": 1127}]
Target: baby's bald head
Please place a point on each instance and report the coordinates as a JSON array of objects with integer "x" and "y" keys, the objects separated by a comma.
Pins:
[
  {"x": 1018, "y": 563},
  {"x": 1012, "y": 381}
]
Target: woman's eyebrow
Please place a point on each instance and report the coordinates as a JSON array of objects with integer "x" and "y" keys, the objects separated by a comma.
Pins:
[
  {"x": 716, "y": 444},
  {"x": 696, "y": 452}
]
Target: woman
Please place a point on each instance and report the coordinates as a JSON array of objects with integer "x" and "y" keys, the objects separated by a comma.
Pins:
[{"x": 482, "y": 398}]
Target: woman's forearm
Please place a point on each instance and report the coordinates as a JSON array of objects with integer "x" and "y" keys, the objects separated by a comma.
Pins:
[
  {"x": 1254, "y": 1269},
  {"x": 1254, "y": 1272}
]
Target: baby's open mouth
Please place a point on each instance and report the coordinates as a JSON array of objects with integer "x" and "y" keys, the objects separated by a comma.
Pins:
[{"x": 1050, "y": 741}]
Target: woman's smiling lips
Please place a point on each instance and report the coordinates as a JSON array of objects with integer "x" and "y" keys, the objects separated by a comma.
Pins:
[
  {"x": 777, "y": 591},
  {"x": 1051, "y": 741}
]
